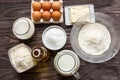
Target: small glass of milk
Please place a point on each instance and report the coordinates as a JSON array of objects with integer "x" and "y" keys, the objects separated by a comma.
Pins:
[
  {"x": 67, "y": 63},
  {"x": 23, "y": 28}
]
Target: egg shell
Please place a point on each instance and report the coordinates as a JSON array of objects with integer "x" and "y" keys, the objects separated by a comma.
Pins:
[
  {"x": 36, "y": 15},
  {"x": 56, "y": 15},
  {"x": 56, "y": 5},
  {"x": 46, "y": 5},
  {"x": 36, "y": 6},
  {"x": 46, "y": 15}
]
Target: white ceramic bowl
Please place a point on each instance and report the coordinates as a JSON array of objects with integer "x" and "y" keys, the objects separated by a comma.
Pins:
[{"x": 50, "y": 47}]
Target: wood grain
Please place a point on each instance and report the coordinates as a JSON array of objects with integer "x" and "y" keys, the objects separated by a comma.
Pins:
[{"x": 13, "y": 9}]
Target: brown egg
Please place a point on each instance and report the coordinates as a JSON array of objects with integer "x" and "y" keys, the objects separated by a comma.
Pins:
[
  {"x": 46, "y": 5},
  {"x": 36, "y": 6},
  {"x": 36, "y": 15},
  {"x": 56, "y": 15},
  {"x": 56, "y": 5},
  {"x": 46, "y": 15}
]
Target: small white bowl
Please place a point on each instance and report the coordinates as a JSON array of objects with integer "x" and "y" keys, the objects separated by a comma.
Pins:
[{"x": 60, "y": 46}]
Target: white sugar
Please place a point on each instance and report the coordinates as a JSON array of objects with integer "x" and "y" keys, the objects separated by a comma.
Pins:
[{"x": 54, "y": 38}]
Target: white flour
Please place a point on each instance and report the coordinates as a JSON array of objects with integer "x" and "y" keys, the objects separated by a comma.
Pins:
[
  {"x": 54, "y": 38},
  {"x": 94, "y": 39},
  {"x": 21, "y": 58}
]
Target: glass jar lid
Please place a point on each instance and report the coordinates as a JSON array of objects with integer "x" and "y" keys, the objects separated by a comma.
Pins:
[{"x": 21, "y": 27}]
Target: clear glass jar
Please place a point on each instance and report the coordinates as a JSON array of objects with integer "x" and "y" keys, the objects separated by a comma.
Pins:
[
  {"x": 20, "y": 58},
  {"x": 23, "y": 28}
]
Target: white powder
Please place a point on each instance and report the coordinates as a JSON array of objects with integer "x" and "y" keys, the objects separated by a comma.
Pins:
[
  {"x": 21, "y": 58},
  {"x": 94, "y": 39},
  {"x": 54, "y": 38}
]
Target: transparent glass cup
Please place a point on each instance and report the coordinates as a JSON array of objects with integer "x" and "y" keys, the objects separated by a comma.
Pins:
[{"x": 67, "y": 63}]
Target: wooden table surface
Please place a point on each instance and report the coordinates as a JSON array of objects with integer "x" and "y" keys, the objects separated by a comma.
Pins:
[{"x": 13, "y": 9}]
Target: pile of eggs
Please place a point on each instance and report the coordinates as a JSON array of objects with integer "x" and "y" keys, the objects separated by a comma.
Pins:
[{"x": 41, "y": 10}]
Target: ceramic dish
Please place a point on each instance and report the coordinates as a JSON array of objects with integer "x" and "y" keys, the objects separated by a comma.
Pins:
[{"x": 52, "y": 27}]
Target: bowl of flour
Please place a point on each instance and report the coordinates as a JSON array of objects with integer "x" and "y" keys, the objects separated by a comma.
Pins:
[
  {"x": 54, "y": 37},
  {"x": 95, "y": 42}
]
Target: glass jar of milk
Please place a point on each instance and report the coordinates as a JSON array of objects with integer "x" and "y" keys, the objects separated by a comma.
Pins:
[
  {"x": 67, "y": 63},
  {"x": 23, "y": 28}
]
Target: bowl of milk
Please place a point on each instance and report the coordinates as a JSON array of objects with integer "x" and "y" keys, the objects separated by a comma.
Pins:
[{"x": 95, "y": 42}]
